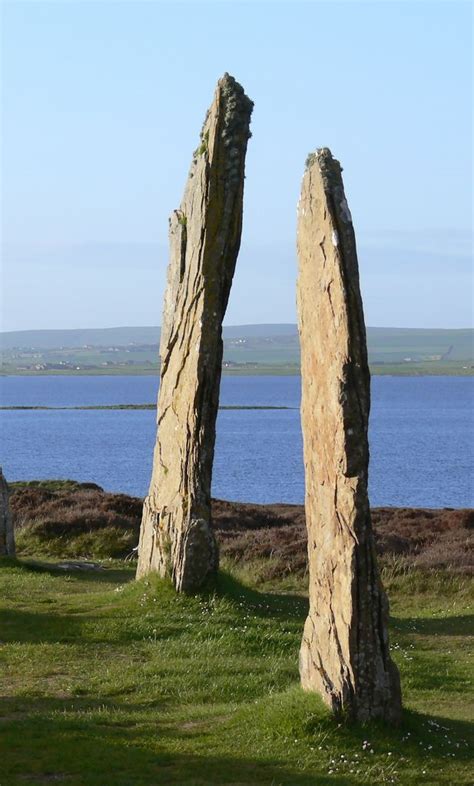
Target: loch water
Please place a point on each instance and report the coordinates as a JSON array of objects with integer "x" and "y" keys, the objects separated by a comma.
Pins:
[{"x": 421, "y": 437}]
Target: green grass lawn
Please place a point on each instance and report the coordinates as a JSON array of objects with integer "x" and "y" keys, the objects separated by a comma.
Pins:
[{"x": 110, "y": 681}]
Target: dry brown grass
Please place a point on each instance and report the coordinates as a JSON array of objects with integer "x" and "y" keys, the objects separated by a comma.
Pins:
[
  {"x": 77, "y": 521},
  {"x": 82, "y": 520}
]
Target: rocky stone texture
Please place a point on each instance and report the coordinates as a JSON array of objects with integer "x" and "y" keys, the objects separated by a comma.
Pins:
[
  {"x": 175, "y": 537},
  {"x": 344, "y": 654},
  {"x": 7, "y": 541}
]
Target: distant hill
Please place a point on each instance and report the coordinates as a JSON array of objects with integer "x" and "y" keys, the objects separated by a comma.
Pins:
[
  {"x": 94, "y": 337},
  {"x": 120, "y": 336},
  {"x": 384, "y": 343}
]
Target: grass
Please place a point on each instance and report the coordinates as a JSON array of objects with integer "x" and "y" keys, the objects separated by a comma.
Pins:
[
  {"x": 49, "y": 485},
  {"x": 108, "y": 680}
]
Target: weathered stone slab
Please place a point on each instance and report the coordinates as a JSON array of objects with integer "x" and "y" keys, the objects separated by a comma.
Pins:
[
  {"x": 176, "y": 539},
  {"x": 7, "y": 540},
  {"x": 344, "y": 653}
]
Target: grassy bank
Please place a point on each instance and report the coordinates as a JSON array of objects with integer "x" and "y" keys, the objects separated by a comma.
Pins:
[{"x": 106, "y": 680}]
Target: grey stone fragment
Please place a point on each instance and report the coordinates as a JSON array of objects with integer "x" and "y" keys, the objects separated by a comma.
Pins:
[{"x": 7, "y": 539}]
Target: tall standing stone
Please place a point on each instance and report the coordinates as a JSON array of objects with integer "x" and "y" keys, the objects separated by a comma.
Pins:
[
  {"x": 344, "y": 654},
  {"x": 7, "y": 540},
  {"x": 175, "y": 538}
]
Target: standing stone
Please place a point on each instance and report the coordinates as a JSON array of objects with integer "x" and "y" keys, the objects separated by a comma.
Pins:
[
  {"x": 344, "y": 654},
  {"x": 7, "y": 541},
  {"x": 175, "y": 537}
]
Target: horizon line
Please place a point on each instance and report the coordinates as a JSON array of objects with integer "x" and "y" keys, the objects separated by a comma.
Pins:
[{"x": 233, "y": 325}]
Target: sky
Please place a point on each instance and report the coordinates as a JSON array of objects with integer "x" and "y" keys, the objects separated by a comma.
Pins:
[{"x": 102, "y": 104}]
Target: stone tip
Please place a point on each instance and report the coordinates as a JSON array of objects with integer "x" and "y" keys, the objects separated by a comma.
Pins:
[
  {"x": 328, "y": 166},
  {"x": 228, "y": 81},
  {"x": 322, "y": 155},
  {"x": 229, "y": 85}
]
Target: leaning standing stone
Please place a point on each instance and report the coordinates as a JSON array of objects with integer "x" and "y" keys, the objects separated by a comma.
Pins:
[
  {"x": 344, "y": 653},
  {"x": 7, "y": 541},
  {"x": 175, "y": 538}
]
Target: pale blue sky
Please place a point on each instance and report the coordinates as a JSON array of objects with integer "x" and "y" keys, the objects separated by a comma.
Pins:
[{"x": 102, "y": 106}]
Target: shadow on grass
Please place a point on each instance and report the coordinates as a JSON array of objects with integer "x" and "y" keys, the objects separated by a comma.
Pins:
[
  {"x": 84, "y": 625},
  {"x": 38, "y": 627},
  {"x": 461, "y": 625},
  {"x": 101, "y": 576},
  {"x": 103, "y": 741},
  {"x": 24, "y": 709},
  {"x": 280, "y": 606},
  {"x": 421, "y": 741},
  {"x": 447, "y": 733},
  {"x": 94, "y": 750},
  {"x": 83, "y": 629},
  {"x": 106, "y": 575}
]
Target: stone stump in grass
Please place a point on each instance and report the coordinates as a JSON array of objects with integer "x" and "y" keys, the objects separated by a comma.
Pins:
[
  {"x": 176, "y": 539},
  {"x": 7, "y": 540},
  {"x": 344, "y": 654}
]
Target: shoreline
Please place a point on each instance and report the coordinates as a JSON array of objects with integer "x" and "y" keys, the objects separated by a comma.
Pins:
[
  {"x": 252, "y": 371},
  {"x": 133, "y": 407}
]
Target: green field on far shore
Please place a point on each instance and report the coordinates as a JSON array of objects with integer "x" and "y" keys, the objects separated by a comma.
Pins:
[
  {"x": 405, "y": 370},
  {"x": 248, "y": 350}
]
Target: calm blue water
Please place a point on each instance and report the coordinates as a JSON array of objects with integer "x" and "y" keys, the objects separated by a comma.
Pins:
[{"x": 421, "y": 437}]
